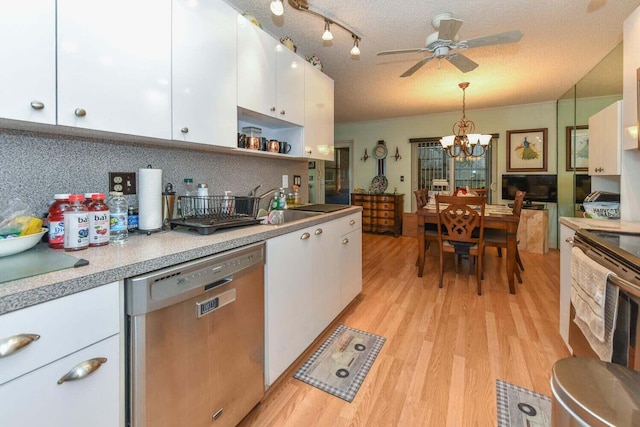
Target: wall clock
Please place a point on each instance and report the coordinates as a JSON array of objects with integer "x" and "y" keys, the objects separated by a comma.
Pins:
[{"x": 380, "y": 151}]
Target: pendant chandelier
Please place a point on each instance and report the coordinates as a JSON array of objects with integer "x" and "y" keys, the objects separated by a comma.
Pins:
[{"x": 464, "y": 142}]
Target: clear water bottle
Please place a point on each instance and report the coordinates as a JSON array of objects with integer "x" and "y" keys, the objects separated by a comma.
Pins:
[{"x": 119, "y": 215}]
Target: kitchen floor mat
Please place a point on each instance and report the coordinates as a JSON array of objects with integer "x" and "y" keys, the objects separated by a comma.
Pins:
[
  {"x": 33, "y": 262},
  {"x": 341, "y": 363},
  {"x": 519, "y": 406}
]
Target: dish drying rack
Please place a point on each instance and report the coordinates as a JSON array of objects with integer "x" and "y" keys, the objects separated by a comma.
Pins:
[{"x": 206, "y": 214}]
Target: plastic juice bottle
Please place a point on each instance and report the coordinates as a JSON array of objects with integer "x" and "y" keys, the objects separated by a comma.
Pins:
[
  {"x": 76, "y": 224},
  {"x": 56, "y": 221},
  {"x": 99, "y": 221}
]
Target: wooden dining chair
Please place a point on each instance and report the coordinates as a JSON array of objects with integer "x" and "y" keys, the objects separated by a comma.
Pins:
[
  {"x": 430, "y": 230},
  {"x": 498, "y": 238},
  {"x": 462, "y": 219}
]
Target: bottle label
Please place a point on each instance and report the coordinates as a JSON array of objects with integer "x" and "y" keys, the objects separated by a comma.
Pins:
[
  {"x": 119, "y": 222},
  {"x": 76, "y": 230},
  {"x": 99, "y": 227},
  {"x": 56, "y": 232}
]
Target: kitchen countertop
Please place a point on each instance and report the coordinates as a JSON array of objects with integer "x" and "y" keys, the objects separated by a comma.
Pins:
[
  {"x": 601, "y": 224},
  {"x": 141, "y": 254}
]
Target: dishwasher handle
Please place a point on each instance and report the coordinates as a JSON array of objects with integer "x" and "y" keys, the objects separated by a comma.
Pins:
[{"x": 219, "y": 283}]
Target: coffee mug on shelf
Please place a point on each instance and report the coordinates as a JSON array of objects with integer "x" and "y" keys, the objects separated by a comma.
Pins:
[
  {"x": 252, "y": 143},
  {"x": 273, "y": 146},
  {"x": 285, "y": 147},
  {"x": 242, "y": 140},
  {"x": 264, "y": 142}
]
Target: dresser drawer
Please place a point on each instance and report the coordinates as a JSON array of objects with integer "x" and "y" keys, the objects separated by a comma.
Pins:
[
  {"x": 389, "y": 222},
  {"x": 64, "y": 325},
  {"x": 386, "y": 199},
  {"x": 386, "y": 207},
  {"x": 385, "y": 214}
]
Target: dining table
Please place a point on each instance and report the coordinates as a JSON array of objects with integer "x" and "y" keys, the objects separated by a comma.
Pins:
[{"x": 498, "y": 217}]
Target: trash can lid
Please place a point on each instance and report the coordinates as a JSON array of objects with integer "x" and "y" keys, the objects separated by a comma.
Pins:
[{"x": 600, "y": 393}]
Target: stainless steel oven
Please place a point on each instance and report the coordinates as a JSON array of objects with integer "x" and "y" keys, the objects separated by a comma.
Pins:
[
  {"x": 196, "y": 341},
  {"x": 620, "y": 253}
]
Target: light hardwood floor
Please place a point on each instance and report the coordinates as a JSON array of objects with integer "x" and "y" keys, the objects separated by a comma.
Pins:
[{"x": 445, "y": 347}]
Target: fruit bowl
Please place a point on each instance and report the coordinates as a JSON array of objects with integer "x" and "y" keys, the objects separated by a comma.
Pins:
[{"x": 14, "y": 245}]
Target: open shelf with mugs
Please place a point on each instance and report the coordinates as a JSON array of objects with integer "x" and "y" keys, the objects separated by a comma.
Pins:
[{"x": 260, "y": 135}]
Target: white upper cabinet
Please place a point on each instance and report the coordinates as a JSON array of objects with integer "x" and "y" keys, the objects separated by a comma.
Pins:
[
  {"x": 28, "y": 52},
  {"x": 114, "y": 66},
  {"x": 204, "y": 72},
  {"x": 605, "y": 141},
  {"x": 270, "y": 77},
  {"x": 318, "y": 121}
]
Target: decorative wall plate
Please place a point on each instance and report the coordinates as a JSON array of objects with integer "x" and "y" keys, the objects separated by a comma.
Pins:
[{"x": 379, "y": 184}]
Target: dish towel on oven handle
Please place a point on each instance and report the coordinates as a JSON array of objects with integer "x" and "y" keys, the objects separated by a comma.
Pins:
[{"x": 595, "y": 302}]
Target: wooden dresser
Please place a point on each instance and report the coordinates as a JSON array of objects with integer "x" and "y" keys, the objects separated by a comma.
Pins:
[{"x": 380, "y": 212}]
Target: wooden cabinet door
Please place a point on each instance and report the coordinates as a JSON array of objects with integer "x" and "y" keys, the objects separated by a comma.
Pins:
[
  {"x": 204, "y": 73},
  {"x": 28, "y": 52},
  {"x": 114, "y": 66}
]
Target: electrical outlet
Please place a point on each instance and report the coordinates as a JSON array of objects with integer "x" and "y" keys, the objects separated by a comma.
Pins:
[
  {"x": 297, "y": 180},
  {"x": 122, "y": 181},
  {"x": 285, "y": 181}
]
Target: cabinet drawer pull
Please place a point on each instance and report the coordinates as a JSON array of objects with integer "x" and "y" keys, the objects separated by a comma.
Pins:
[
  {"x": 184, "y": 130},
  {"x": 318, "y": 231},
  {"x": 353, "y": 221},
  {"x": 305, "y": 236},
  {"x": 37, "y": 105},
  {"x": 80, "y": 112},
  {"x": 569, "y": 240},
  {"x": 9, "y": 346},
  {"x": 282, "y": 112},
  {"x": 83, "y": 370},
  {"x": 345, "y": 241},
  {"x": 273, "y": 109}
]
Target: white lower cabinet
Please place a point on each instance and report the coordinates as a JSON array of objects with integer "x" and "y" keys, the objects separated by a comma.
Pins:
[
  {"x": 77, "y": 334},
  {"x": 307, "y": 285},
  {"x": 566, "y": 244},
  {"x": 36, "y": 399}
]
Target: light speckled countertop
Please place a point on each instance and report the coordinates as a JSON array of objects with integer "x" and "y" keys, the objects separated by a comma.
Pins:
[
  {"x": 141, "y": 254},
  {"x": 601, "y": 224}
]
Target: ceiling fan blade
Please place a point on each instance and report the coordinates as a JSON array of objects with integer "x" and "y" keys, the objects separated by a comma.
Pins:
[
  {"x": 463, "y": 63},
  {"x": 393, "y": 52},
  {"x": 502, "y": 38},
  {"x": 417, "y": 66},
  {"x": 449, "y": 28}
]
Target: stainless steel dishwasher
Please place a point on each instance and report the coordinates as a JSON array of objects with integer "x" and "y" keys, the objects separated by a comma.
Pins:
[{"x": 196, "y": 341}]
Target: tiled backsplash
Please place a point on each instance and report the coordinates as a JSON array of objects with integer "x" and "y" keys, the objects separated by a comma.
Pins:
[{"x": 35, "y": 166}]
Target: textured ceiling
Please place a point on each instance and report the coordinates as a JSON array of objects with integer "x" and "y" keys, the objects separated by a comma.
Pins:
[{"x": 563, "y": 40}]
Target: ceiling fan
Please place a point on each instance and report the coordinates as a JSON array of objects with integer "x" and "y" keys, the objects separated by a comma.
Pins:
[{"x": 443, "y": 42}]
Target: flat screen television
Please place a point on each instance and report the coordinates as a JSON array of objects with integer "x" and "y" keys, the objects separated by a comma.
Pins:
[
  {"x": 538, "y": 188},
  {"x": 583, "y": 187}
]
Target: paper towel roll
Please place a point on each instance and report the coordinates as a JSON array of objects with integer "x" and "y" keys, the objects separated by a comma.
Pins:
[{"x": 149, "y": 199}]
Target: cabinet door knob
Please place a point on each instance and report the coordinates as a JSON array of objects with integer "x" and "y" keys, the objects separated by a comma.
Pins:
[
  {"x": 353, "y": 221},
  {"x": 345, "y": 241},
  {"x": 80, "y": 112},
  {"x": 282, "y": 112},
  {"x": 308, "y": 151},
  {"x": 305, "y": 236},
  {"x": 37, "y": 105},
  {"x": 318, "y": 231},
  {"x": 83, "y": 370},
  {"x": 11, "y": 345},
  {"x": 184, "y": 130},
  {"x": 273, "y": 109}
]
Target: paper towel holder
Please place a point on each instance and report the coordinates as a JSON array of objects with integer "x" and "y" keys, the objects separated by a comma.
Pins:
[{"x": 150, "y": 200}]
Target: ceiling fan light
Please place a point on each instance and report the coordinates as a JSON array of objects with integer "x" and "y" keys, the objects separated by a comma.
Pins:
[
  {"x": 327, "y": 32},
  {"x": 277, "y": 7}
]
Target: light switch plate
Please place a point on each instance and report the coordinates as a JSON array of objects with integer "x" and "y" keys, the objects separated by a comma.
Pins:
[
  {"x": 297, "y": 180},
  {"x": 122, "y": 181},
  {"x": 285, "y": 181}
]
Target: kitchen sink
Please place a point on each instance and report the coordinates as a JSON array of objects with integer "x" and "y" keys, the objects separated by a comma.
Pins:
[{"x": 290, "y": 215}]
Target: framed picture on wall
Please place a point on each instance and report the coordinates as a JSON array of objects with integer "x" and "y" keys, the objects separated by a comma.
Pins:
[
  {"x": 577, "y": 143},
  {"x": 527, "y": 150},
  {"x": 312, "y": 164}
]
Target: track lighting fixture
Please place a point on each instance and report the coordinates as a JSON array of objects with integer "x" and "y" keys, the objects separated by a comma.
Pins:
[
  {"x": 355, "y": 50},
  {"x": 277, "y": 8},
  {"x": 326, "y": 36}
]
